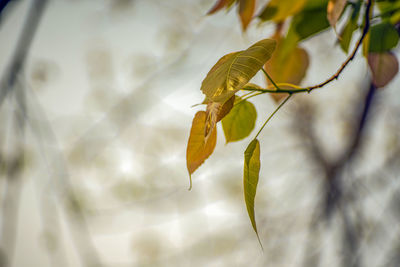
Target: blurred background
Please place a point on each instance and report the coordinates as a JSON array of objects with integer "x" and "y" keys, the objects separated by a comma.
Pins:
[{"x": 96, "y": 108}]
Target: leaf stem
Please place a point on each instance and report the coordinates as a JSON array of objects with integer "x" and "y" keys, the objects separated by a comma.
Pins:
[
  {"x": 273, "y": 113},
  {"x": 269, "y": 78}
]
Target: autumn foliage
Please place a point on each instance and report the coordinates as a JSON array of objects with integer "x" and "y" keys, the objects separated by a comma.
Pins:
[{"x": 284, "y": 62}]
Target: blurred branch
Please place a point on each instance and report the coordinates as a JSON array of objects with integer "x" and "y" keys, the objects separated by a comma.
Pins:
[
  {"x": 13, "y": 163},
  {"x": 18, "y": 59},
  {"x": 56, "y": 168}
]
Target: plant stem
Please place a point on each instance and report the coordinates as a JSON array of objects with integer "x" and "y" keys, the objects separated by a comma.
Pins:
[
  {"x": 273, "y": 113},
  {"x": 334, "y": 76},
  {"x": 269, "y": 78}
]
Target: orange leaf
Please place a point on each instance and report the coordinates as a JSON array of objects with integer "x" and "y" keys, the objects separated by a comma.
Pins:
[
  {"x": 384, "y": 67},
  {"x": 198, "y": 149},
  {"x": 246, "y": 11}
]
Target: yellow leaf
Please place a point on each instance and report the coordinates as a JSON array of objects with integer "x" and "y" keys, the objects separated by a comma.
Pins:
[
  {"x": 234, "y": 70},
  {"x": 246, "y": 11},
  {"x": 198, "y": 149},
  {"x": 334, "y": 10},
  {"x": 250, "y": 179},
  {"x": 384, "y": 67},
  {"x": 286, "y": 67}
]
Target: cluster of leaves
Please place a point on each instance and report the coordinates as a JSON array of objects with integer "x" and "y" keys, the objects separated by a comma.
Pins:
[{"x": 284, "y": 63}]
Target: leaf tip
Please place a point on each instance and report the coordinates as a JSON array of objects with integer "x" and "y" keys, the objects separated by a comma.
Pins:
[
  {"x": 259, "y": 241},
  {"x": 190, "y": 182}
]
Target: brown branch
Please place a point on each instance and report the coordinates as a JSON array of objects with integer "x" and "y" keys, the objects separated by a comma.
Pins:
[
  {"x": 334, "y": 76},
  {"x": 353, "y": 54}
]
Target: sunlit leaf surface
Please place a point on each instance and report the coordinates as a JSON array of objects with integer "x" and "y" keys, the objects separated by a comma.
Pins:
[{"x": 234, "y": 70}]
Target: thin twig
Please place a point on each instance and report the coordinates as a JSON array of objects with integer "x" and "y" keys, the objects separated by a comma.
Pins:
[
  {"x": 330, "y": 79},
  {"x": 273, "y": 113},
  {"x": 353, "y": 54}
]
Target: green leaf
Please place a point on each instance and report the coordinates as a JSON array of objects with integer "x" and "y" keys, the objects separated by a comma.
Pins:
[
  {"x": 250, "y": 179},
  {"x": 384, "y": 67},
  {"x": 279, "y": 10},
  {"x": 234, "y": 70},
  {"x": 304, "y": 25},
  {"x": 310, "y": 22},
  {"x": 390, "y": 10},
  {"x": 383, "y": 37},
  {"x": 313, "y": 4},
  {"x": 239, "y": 123},
  {"x": 351, "y": 25}
]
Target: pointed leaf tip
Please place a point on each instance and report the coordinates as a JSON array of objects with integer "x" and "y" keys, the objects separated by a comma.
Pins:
[
  {"x": 220, "y": 4},
  {"x": 246, "y": 11},
  {"x": 250, "y": 179}
]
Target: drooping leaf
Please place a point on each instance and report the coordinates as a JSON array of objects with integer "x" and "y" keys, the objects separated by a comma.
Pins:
[
  {"x": 240, "y": 122},
  {"x": 279, "y": 10},
  {"x": 334, "y": 10},
  {"x": 246, "y": 11},
  {"x": 383, "y": 37},
  {"x": 351, "y": 25},
  {"x": 347, "y": 34},
  {"x": 250, "y": 179},
  {"x": 198, "y": 149},
  {"x": 215, "y": 112},
  {"x": 234, "y": 70},
  {"x": 384, "y": 67},
  {"x": 286, "y": 67}
]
